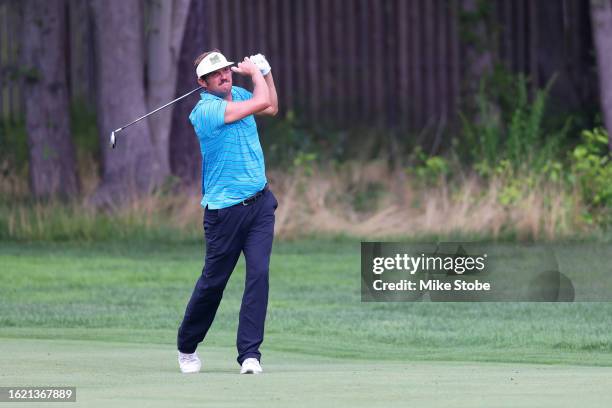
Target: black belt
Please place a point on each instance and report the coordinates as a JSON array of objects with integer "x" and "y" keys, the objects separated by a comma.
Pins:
[{"x": 255, "y": 197}]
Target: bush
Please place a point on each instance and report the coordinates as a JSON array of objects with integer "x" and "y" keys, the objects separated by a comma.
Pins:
[
  {"x": 593, "y": 172},
  {"x": 511, "y": 130},
  {"x": 428, "y": 170},
  {"x": 285, "y": 141}
]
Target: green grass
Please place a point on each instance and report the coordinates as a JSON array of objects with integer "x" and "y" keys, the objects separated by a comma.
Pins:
[
  {"x": 123, "y": 374},
  {"x": 137, "y": 293},
  {"x": 103, "y": 317}
]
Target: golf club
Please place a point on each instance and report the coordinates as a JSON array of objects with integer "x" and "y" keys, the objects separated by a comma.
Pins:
[{"x": 113, "y": 136}]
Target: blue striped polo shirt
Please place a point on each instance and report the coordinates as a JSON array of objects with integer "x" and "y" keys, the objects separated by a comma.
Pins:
[{"x": 233, "y": 167}]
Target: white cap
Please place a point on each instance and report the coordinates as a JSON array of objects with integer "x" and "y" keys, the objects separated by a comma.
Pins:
[{"x": 211, "y": 63}]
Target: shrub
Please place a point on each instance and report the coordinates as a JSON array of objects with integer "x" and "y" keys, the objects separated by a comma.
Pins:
[
  {"x": 593, "y": 173},
  {"x": 429, "y": 170},
  {"x": 512, "y": 131}
]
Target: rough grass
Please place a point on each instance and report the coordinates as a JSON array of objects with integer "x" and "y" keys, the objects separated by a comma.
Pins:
[
  {"x": 137, "y": 293},
  {"x": 357, "y": 199},
  {"x": 324, "y": 201}
]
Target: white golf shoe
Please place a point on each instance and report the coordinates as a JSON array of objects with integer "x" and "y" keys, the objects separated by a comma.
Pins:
[
  {"x": 189, "y": 363},
  {"x": 251, "y": 366}
]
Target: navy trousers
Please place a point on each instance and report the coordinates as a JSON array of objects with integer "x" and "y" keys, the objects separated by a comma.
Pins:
[{"x": 230, "y": 231}]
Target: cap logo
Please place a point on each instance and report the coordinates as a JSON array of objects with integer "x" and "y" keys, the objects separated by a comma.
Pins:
[{"x": 214, "y": 59}]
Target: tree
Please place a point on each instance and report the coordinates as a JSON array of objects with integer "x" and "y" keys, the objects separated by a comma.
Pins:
[
  {"x": 51, "y": 152},
  {"x": 601, "y": 16},
  {"x": 133, "y": 166},
  {"x": 185, "y": 158},
  {"x": 167, "y": 20}
]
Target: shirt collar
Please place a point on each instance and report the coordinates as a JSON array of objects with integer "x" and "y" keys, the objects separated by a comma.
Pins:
[{"x": 206, "y": 95}]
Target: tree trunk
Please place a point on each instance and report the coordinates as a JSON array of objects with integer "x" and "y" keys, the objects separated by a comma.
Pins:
[
  {"x": 167, "y": 25},
  {"x": 132, "y": 167},
  {"x": 52, "y": 157},
  {"x": 185, "y": 158},
  {"x": 601, "y": 15}
]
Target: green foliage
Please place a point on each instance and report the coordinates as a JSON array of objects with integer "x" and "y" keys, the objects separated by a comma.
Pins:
[
  {"x": 429, "y": 170},
  {"x": 593, "y": 172},
  {"x": 305, "y": 162},
  {"x": 512, "y": 190},
  {"x": 510, "y": 130},
  {"x": 13, "y": 147},
  {"x": 285, "y": 141},
  {"x": 14, "y": 139}
]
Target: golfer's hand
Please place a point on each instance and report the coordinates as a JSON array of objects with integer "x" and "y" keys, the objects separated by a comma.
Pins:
[
  {"x": 246, "y": 67},
  {"x": 262, "y": 63}
]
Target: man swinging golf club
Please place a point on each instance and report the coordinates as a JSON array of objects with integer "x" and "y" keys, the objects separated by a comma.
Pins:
[{"x": 238, "y": 206}]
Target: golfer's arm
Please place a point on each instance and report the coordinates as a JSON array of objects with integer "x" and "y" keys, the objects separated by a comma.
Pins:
[
  {"x": 273, "y": 108},
  {"x": 260, "y": 101}
]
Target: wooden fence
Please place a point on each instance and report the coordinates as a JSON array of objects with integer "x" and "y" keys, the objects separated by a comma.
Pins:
[
  {"x": 344, "y": 62},
  {"x": 350, "y": 61}
]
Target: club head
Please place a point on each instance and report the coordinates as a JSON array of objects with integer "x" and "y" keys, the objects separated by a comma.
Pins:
[{"x": 113, "y": 139}]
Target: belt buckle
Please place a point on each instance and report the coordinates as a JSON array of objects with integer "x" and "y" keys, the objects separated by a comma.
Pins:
[{"x": 252, "y": 198}]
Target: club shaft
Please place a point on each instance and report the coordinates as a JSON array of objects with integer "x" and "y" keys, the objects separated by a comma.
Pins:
[{"x": 160, "y": 108}]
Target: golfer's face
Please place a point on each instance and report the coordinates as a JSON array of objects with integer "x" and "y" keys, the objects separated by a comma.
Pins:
[{"x": 219, "y": 82}]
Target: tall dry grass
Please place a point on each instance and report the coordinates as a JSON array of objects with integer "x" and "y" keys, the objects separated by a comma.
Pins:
[
  {"x": 471, "y": 206},
  {"x": 328, "y": 200}
]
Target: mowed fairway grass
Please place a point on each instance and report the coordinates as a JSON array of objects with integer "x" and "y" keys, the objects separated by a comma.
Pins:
[{"x": 103, "y": 317}]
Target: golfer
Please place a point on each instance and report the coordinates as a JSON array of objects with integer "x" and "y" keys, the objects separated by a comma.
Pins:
[{"x": 238, "y": 206}]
